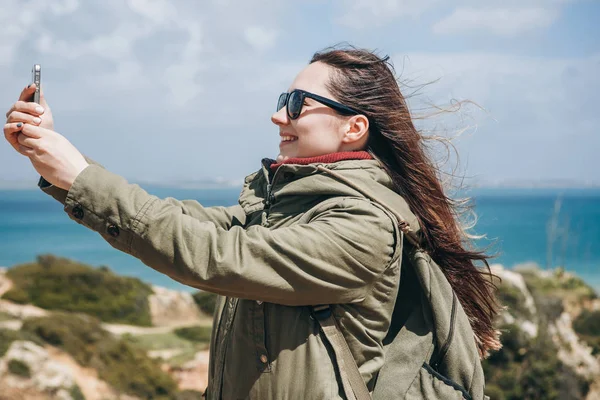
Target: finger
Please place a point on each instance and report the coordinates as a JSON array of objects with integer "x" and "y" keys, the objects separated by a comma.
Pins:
[
  {"x": 10, "y": 129},
  {"x": 10, "y": 133},
  {"x": 26, "y": 141},
  {"x": 26, "y": 151},
  {"x": 27, "y": 93},
  {"x": 34, "y": 131},
  {"x": 26, "y": 107},
  {"x": 18, "y": 116}
]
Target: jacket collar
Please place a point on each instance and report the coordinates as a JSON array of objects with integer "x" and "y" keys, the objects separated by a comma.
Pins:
[{"x": 324, "y": 159}]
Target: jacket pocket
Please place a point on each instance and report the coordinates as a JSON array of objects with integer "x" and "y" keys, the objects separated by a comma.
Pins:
[{"x": 430, "y": 384}]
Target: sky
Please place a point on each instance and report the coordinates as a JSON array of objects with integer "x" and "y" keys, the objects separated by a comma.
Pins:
[{"x": 172, "y": 91}]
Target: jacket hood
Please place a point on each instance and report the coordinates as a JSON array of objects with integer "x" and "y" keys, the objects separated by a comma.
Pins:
[{"x": 324, "y": 179}]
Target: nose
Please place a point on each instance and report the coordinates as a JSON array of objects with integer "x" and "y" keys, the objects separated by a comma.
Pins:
[{"x": 280, "y": 117}]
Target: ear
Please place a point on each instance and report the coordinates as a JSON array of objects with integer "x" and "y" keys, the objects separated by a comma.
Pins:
[{"x": 356, "y": 130}]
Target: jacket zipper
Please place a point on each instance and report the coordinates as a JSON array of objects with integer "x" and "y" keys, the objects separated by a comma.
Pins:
[
  {"x": 270, "y": 197},
  {"x": 268, "y": 202}
]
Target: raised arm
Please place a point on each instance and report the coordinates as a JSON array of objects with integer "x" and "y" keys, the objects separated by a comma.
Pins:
[
  {"x": 333, "y": 258},
  {"x": 223, "y": 217}
]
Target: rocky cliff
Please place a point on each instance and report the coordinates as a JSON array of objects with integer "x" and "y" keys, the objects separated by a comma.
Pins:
[{"x": 550, "y": 335}]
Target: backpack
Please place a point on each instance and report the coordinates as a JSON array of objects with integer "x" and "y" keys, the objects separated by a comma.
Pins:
[{"x": 430, "y": 349}]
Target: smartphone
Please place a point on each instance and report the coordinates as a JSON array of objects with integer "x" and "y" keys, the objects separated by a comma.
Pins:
[{"x": 36, "y": 77}]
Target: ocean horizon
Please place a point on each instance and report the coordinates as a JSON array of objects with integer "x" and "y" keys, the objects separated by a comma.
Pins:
[{"x": 518, "y": 225}]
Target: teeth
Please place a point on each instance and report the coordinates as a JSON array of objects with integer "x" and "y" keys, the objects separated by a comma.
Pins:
[{"x": 288, "y": 138}]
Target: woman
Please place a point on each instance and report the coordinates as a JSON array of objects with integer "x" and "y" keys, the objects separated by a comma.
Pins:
[{"x": 323, "y": 224}]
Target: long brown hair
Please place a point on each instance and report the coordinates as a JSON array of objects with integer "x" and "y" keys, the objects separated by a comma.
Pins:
[{"x": 366, "y": 82}]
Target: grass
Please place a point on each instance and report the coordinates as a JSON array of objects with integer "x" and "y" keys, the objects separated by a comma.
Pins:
[
  {"x": 94, "y": 291},
  {"x": 171, "y": 340},
  {"x": 186, "y": 356},
  {"x": 159, "y": 341},
  {"x": 198, "y": 334}
]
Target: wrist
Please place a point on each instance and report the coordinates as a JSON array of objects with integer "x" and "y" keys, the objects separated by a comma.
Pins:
[{"x": 83, "y": 166}]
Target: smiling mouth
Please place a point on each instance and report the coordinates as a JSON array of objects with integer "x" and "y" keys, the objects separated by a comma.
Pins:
[{"x": 285, "y": 139}]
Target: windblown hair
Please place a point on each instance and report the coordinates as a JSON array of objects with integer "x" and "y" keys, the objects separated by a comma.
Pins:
[{"x": 367, "y": 83}]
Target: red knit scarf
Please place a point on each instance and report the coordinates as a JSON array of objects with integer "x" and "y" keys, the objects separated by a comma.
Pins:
[{"x": 327, "y": 158}]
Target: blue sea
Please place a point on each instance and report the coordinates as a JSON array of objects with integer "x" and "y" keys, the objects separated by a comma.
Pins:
[{"x": 516, "y": 223}]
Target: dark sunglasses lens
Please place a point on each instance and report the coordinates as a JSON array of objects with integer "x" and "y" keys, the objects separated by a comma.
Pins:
[
  {"x": 281, "y": 101},
  {"x": 295, "y": 104}
]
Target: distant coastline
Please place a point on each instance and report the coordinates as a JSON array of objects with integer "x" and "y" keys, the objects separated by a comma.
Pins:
[{"x": 222, "y": 183}]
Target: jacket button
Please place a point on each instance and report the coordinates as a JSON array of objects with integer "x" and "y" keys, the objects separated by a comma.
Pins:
[
  {"x": 77, "y": 211},
  {"x": 264, "y": 359},
  {"x": 259, "y": 302},
  {"x": 113, "y": 230}
]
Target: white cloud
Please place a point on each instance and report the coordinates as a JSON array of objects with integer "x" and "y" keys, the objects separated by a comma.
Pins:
[
  {"x": 501, "y": 17},
  {"x": 170, "y": 78},
  {"x": 64, "y": 7},
  {"x": 538, "y": 112},
  {"x": 176, "y": 45},
  {"x": 18, "y": 20},
  {"x": 499, "y": 21},
  {"x": 182, "y": 77},
  {"x": 158, "y": 11},
  {"x": 260, "y": 38},
  {"x": 361, "y": 14}
]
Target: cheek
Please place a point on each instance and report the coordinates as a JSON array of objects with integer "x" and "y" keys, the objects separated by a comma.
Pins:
[{"x": 317, "y": 136}]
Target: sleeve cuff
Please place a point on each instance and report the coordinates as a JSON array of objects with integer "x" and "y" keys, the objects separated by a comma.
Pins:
[
  {"x": 57, "y": 193},
  {"x": 106, "y": 203}
]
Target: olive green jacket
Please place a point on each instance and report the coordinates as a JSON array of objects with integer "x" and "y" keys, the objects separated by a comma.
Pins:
[{"x": 299, "y": 237}]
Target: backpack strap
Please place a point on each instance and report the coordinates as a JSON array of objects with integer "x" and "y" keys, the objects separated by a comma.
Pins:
[{"x": 352, "y": 382}]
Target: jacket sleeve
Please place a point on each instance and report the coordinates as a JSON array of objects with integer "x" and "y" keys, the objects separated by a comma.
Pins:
[
  {"x": 333, "y": 258},
  {"x": 223, "y": 217}
]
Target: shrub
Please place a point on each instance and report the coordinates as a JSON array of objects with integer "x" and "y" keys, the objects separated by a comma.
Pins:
[
  {"x": 129, "y": 369},
  {"x": 77, "y": 334},
  {"x": 494, "y": 392},
  {"x": 587, "y": 326},
  {"x": 60, "y": 284},
  {"x": 76, "y": 393},
  {"x": 559, "y": 284},
  {"x": 206, "y": 301},
  {"x": 588, "y": 323},
  {"x": 550, "y": 307},
  {"x": 18, "y": 367},
  {"x": 529, "y": 368},
  {"x": 119, "y": 363},
  {"x": 514, "y": 344},
  {"x": 189, "y": 395},
  {"x": 512, "y": 297},
  {"x": 17, "y": 295},
  {"x": 8, "y": 336},
  {"x": 6, "y": 316},
  {"x": 200, "y": 334}
]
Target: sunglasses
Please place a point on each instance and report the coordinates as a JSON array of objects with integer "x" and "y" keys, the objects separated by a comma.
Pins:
[{"x": 294, "y": 101}]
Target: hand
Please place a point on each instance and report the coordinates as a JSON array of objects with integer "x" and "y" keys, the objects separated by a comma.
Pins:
[
  {"x": 29, "y": 131},
  {"x": 51, "y": 154},
  {"x": 27, "y": 112}
]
